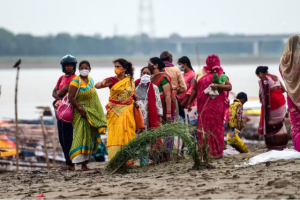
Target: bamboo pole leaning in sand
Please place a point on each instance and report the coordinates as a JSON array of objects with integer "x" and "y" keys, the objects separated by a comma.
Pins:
[
  {"x": 17, "y": 65},
  {"x": 54, "y": 146},
  {"x": 45, "y": 142}
]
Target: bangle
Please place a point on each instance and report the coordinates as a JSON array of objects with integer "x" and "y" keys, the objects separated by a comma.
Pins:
[{"x": 169, "y": 112}]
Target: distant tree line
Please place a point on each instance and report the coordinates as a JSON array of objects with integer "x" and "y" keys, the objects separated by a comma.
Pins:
[{"x": 28, "y": 45}]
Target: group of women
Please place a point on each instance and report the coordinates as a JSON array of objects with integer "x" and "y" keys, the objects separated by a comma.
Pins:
[{"x": 152, "y": 93}]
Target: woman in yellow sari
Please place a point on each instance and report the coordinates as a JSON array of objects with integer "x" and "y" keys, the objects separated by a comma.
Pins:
[{"x": 120, "y": 115}]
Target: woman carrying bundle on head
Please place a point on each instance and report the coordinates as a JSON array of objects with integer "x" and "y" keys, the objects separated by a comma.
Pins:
[
  {"x": 273, "y": 111},
  {"x": 120, "y": 108}
]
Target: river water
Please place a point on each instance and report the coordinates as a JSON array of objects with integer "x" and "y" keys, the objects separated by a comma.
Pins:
[{"x": 36, "y": 86}]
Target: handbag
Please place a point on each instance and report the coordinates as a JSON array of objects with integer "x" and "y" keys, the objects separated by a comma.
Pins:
[
  {"x": 139, "y": 119},
  {"x": 64, "y": 111}
]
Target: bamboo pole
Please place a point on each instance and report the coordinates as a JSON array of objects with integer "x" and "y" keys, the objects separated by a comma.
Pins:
[
  {"x": 54, "y": 142},
  {"x": 17, "y": 65},
  {"x": 45, "y": 142}
]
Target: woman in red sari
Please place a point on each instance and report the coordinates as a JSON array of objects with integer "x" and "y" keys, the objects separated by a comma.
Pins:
[
  {"x": 273, "y": 111},
  {"x": 211, "y": 109},
  {"x": 163, "y": 82}
]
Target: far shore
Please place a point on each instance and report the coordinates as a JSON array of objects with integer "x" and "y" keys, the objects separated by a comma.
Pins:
[{"x": 6, "y": 62}]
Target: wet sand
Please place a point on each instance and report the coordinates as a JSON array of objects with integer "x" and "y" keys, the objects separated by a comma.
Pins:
[{"x": 280, "y": 179}]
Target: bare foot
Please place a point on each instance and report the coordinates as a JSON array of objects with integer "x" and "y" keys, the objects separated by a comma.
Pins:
[
  {"x": 68, "y": 168},
  {"x": 84, "y": 167}
]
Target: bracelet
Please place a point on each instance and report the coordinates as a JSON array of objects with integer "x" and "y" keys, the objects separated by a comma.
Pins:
[{"x": 169, "y": 112}]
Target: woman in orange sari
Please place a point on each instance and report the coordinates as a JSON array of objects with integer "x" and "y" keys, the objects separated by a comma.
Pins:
[{"x": 120, "y": 108}]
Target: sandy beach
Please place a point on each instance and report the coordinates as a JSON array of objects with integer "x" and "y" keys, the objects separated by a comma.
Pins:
[{"x": 269, "y": 180}]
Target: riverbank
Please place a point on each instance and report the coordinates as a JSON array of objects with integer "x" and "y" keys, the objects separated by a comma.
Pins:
[
  {"x": 99, "y": 61},
  {"x": 270, "y": 180}
]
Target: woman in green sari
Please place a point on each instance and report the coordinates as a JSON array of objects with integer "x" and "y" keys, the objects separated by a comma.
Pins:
[{"x": 89, "y": 121}]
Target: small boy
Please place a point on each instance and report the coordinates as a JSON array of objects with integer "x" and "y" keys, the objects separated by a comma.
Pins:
[{"x": 236, "y": 112}]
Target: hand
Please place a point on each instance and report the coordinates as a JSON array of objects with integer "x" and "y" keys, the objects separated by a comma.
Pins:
[
  {"x": 106, "y": 83},
  {"x": 136, "y": 105},
  {"x": 169, "y": 118},
  {"x": 189, "y": 107},
  {"x": 138, "y": 131},
  {"x": 183, "y": 105},
  {"x": 82, "y": 111},
  {"x": 214, "y": 87}
]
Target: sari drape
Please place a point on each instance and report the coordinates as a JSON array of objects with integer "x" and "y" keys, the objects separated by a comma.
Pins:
[
  {"x": 211, "y": 111},
  {"x": 290, "y": 72},
  {"x": 120, "y": 116},
  {"x": 87, "y": 130},
  {"x": 272, "y": 115}
]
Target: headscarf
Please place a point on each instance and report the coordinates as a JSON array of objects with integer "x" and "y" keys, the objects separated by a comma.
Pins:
[
  {"x": 290, "y": 68},
  {"x": 213, "y": 63}
]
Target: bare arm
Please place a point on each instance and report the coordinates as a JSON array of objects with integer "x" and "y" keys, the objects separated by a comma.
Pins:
[
  {"x": 193, "y": 95},
  {"x": 167, "y": 93},
  {"x": 105, "y": 83},
  {"x": 72, "y": 93},
  {"x": 54, "y": 93},
  {"x": 61, "y": 93}
]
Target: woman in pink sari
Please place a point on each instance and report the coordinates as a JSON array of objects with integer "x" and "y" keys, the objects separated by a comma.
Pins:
[
  {"x": 290, "y": 71},
  {"x": 211, "y": 109}
]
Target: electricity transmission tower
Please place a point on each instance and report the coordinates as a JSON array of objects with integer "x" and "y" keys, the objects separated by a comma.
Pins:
[{"x": 146, "y": 18}]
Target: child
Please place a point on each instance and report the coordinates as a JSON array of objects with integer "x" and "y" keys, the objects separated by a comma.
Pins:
[{"x": 236, "y": 112}]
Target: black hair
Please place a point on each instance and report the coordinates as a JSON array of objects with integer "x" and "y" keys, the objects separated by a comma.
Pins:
[
  {"x": 126, "y": 65},
  {"x": 185, "y": 60},
  {"x": 165, "y": 56},
  {"x": 84, "y": 62},
  {"x": 159, "y": 62},
  {"x": 261, "y": 69},
  {"x": 145, "y": 68},
  {"x": 242, "y": 95}
]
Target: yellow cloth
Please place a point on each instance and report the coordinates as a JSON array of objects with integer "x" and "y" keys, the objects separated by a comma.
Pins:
[
  {"x": 233, "y": 109},
  {"x": 120, "y": 116},
  {"x": 200, "y": 73},
  {"x": 237, "y": 143},
  {"x": 87, "y": 130}
]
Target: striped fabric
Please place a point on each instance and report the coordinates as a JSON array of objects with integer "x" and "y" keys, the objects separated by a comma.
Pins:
[{"x": 87, "y": 130}]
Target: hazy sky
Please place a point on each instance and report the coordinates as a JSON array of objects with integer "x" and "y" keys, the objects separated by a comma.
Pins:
[{"x": 185, "y": 17}]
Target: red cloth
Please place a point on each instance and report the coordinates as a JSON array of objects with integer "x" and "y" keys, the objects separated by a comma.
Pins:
[
  {"x": 114, "y": 80},
  {"x": 153, "y": 114},
  {"x": 64, "y": 80},
  {"x": 213, "y": 63},
  {"x": 277, "y": 100}
]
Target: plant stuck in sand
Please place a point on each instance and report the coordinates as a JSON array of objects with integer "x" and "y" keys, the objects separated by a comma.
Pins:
[{"x": 141, "y": 145}]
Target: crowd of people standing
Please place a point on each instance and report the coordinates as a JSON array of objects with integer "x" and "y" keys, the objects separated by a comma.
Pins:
[{"x": 162, "y": 93}]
